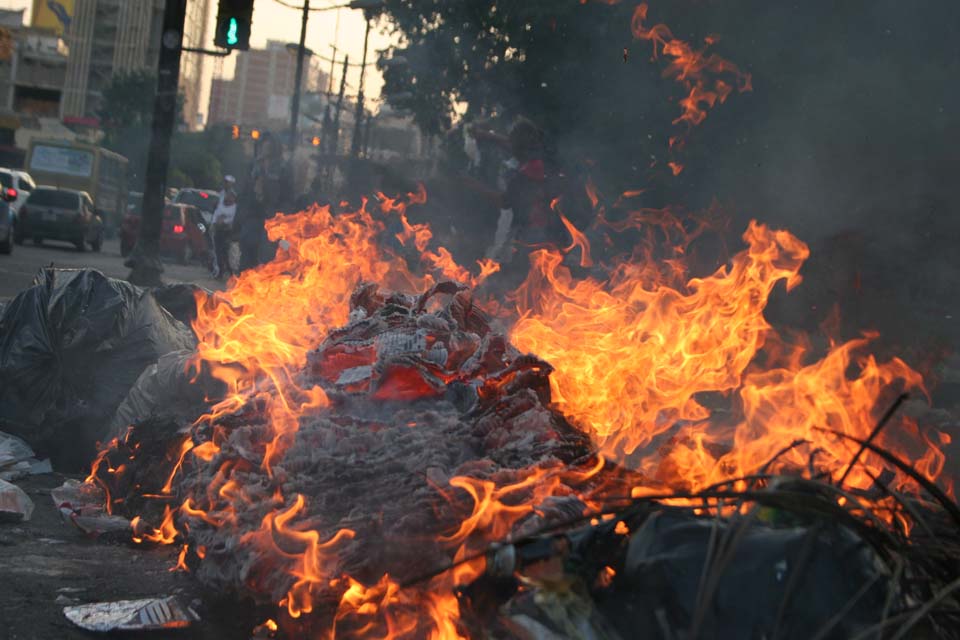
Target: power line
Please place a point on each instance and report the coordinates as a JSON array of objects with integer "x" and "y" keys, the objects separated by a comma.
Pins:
[{"x": 299, "y": 7}]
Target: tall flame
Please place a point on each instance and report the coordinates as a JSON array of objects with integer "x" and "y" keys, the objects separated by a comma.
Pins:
[{"x": 635, "y": 353}]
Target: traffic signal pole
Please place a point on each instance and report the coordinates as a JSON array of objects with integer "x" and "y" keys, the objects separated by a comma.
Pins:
[
  {"x": 298, "y": 80},
  {"x": 144, "y": 260}
]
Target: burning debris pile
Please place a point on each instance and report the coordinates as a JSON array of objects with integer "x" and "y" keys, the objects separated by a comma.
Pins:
[
  {"x": 420, "y": 401},
  {"x": 359, "y": 446},
  {"x": 387, "y": 463}
]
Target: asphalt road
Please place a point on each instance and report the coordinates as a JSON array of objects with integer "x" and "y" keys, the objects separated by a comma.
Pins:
[
  {"x": 18, "y": 270},
  {"x": 48, "y": 564}
]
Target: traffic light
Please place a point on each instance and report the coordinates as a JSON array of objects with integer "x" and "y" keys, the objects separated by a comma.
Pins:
[
  {"x": 235, "y": 132},
  {"x": 255, "y": 134},
  {"x": 233, "y": 24},
  {"x": 315, "y": 141}
]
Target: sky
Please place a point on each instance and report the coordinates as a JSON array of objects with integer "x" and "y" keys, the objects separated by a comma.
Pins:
[{"x": 273, "y": 21}]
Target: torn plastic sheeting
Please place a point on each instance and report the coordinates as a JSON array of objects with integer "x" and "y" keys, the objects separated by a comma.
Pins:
[
  {"x": 132, "y": 615},
  {"x": 168, "y": 387},
  {"x": 71, "y": 347},
  {"x": 17, "y": 459},
  {"x": 15, "y": 505},
  {"x": 13, "y": 450},
  {"x": 81, "y": 504}
]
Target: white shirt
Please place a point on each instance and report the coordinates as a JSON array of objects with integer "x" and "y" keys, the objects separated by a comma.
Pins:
[{"x": 224, "y": 213}]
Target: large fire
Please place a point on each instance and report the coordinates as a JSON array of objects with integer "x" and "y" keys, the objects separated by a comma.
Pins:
[
  {"x": 633, "y": 354},
  {"x": 679, "y": 380}
]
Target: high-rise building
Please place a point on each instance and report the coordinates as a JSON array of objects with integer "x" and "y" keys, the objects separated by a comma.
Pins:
[
  {"x": 262, "y": 86},
  {"x": 107, "y": 37},
  {"x": 33, "y": 63},
  {"x": 195, "y": 36}
]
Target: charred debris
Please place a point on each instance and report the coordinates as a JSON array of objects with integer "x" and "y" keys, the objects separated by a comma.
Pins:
[{"x": 420, "y": 394}]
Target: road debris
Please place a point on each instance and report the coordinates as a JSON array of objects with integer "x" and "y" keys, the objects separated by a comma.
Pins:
[
  {"x": 132, "y": 615},
  {"x": 15, "y": 505}
]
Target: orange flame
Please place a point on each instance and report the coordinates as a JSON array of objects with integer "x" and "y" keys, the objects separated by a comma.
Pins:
[
  {"x": 700, "y": 74},
  {"x": 166, "y": 534},
  {"x": 630, "y": 354},
  {"x": 634, "y": 353}
]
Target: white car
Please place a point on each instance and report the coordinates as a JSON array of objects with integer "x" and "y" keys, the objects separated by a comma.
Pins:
[{"x": 19, "y": 181}]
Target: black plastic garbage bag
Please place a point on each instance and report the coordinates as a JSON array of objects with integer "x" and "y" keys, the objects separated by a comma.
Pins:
[
  {"x": 746, "y": 580},
  {"x": 71, "y": 347},
  {"x": 180, "y": 300},
  {"x": 171, "y": 388},
  {"x": 666, "y": 574}
]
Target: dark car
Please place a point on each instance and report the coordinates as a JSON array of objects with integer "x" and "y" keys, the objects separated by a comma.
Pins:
[
  {"x": 203, "y": 199},
  {"x": 182, "y": 234},
  {"x": 60, "y": 214}
]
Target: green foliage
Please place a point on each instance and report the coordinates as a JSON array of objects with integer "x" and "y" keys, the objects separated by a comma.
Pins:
[
  {"x": 196, "y": 159},
  {"x": 558, "y": 62},
  {"x": 126, "y": 115},
  {"x": 192, "y": 164}
]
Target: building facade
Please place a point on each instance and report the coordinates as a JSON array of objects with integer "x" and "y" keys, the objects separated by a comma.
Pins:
[
  {"x": 196, "y": 35},
  {"x": 109, "y": 37},
  {"x": 262, "y": 87},
  {"x": 106, "y": 37}
]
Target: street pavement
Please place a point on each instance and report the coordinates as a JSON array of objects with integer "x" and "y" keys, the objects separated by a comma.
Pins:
[{"x": 18, "y": 270}]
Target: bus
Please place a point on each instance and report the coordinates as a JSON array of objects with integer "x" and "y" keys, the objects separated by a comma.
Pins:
[{"x": 84, "y": 167}]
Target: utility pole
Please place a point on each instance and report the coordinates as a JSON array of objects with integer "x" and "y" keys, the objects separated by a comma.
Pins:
[
  {"x": 333, "y": 65},
  {"x": 335, "y": 141},
  {"x": 358, "y": 124},
  {"x": 144, "y": 261},
  {"x": 301, "y": 53}
]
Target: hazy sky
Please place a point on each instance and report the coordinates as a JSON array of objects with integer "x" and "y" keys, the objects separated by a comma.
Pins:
[{"x": 273, "y": 21}]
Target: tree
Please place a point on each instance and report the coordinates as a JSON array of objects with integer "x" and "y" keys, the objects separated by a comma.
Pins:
[
  {"x": 571, "y": 66},
  {"x": 126, "y": 115},
  {"x": 197, "y": 159},
  {"x": 558, "y": 62}
]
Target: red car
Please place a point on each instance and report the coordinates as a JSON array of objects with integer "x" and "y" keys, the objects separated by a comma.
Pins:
[{"x": 183, "y": 234}]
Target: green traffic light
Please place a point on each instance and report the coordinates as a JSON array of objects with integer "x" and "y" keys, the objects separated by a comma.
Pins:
[{"x": 232, "y": 37}]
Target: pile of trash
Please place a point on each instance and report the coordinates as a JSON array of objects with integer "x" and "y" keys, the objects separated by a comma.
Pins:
[
  {"x": 430, "y": 413},
  {"x": 71, "y": 347},
  {"x": 422, "y": 390},
  {"x": 426, "y": 400},
  {"x": 781, "y": 561}
]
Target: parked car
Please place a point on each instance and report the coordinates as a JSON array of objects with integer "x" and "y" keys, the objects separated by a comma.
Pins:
[
  {"x": 7, "y": 221},
  {"x": 203, "y": 199},
  {"x": 21, "y": 183},
  {"x": 182, "y": 235},
  {"x": 60, "y": 214}
]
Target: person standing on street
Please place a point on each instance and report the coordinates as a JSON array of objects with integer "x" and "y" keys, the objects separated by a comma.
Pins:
[
  {"x": 269, "y": 192},
  {"x": 223, "y": 220}
]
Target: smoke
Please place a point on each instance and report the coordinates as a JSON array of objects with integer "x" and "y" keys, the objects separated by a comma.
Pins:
[{"x": 848, "y": 139}]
